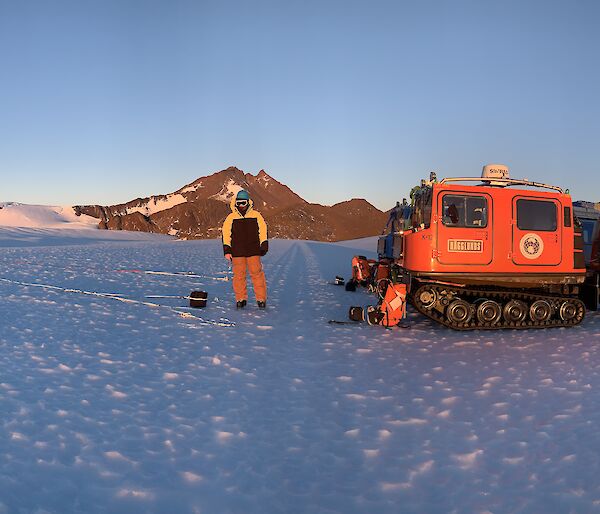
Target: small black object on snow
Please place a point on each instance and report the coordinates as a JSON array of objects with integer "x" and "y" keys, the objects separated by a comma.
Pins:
[{"x": 198, "y": 299}]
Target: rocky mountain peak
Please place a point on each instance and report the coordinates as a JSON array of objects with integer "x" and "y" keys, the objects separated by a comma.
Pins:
[{"x": 197, "y": 210}]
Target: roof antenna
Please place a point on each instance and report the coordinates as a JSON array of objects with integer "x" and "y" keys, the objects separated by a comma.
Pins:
[{"x": 495, "y": 171}]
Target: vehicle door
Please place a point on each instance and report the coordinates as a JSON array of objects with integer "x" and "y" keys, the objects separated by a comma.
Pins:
[
  {"x": 464, "y": 228},
  {"x": 536, "y": 231}
]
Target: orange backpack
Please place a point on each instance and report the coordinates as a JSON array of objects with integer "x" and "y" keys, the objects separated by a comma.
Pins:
[{"x": 388, "y": 312}]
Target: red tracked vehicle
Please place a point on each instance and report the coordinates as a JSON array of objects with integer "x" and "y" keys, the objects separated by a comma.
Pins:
[{"x": 490, "y": 253}]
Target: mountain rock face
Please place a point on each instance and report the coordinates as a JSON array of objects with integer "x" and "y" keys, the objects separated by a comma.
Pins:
[{"x": 197, "y": 211}]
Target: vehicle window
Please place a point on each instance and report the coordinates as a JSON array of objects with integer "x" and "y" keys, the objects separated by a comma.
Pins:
[
  {"x": 567, "y": 220},
  {"x": 421, "y": 214},
  {"x": 464, "y": 211},
  {"x": 536, "y": 215}
]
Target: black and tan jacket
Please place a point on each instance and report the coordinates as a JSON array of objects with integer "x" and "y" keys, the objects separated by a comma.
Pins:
[{"x": 245, "y": 235}]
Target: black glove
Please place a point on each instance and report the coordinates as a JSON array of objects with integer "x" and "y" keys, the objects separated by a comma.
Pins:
[
  {"x": 226, "y": 249},
  {"x": 264, "y": 248}
]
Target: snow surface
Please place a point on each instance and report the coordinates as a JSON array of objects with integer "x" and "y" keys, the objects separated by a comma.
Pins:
[
  {"x": 24, "y": 237},
  {"x": 117, "y": 407},
  {"x": 44, "y": 216},
  {"x": 367, "y": 244}
]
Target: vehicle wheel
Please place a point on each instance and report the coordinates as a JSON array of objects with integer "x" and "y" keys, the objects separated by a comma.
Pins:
[
  {"x": 568, "y": 310},
  {"x": 428, "y": 297},
  {"x": 459, "y": 312},
  {"x": 515, "y": 311},
  {"x": 489, "y": 311},
  {"x": 540, "y": 310}
]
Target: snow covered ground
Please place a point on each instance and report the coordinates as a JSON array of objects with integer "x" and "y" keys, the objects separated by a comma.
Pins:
[
  {"x": 122, "y": 407},
  {"x": 44, "y": 216},
  {"x": 45, "y": 225}
]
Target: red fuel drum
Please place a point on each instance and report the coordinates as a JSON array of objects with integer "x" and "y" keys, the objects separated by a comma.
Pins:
[{"x": 479, "y": 243}]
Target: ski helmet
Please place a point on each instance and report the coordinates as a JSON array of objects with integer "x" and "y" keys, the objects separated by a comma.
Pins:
[{"x": 242, "y": 195}]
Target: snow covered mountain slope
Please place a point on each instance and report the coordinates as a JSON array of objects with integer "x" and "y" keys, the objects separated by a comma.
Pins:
[
  {"x": 44, "y": 216},
  {"x": 39, "y": 225},
  {"x": 121, "y": 407}
]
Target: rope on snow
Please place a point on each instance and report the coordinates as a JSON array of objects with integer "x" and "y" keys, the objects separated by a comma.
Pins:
[{"x": 115, "y": 296}]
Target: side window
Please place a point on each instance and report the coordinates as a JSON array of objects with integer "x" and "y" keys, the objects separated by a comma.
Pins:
[
  {"x": 537, "y": 215},
  {"x": 567, "y": 216},
  {"x": 464, "y": 211},
  {"x": 427, "y": 201},
  {"x": 421, "y": 213}
]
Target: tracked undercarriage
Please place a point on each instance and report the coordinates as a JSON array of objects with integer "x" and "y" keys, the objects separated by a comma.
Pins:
[{"x": 470, "y": 308}]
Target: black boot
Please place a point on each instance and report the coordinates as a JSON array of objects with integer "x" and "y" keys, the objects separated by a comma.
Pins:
[
  {"x": 240, "y": 304},
  {"x": 261, "y": 304}
]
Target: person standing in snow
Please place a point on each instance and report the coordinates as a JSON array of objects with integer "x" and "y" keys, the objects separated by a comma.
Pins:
[{"x": 244, "y": 243}]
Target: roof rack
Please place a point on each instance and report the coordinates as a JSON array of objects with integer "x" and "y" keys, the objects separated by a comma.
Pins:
[{"x": 503, "y": 181}]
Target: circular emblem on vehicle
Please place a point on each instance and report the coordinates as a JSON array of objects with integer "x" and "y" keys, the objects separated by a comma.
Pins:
[{"x": 531, "y": 246}]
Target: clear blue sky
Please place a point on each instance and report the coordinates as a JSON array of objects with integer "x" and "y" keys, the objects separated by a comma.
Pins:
[{"x": 105, "y": 101}]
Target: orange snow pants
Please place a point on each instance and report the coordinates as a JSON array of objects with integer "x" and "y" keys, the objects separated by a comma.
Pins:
[{"x": 254, "y": 267}]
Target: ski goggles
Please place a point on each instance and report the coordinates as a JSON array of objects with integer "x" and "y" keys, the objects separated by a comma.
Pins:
[{"x": 241, "y": 203}]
